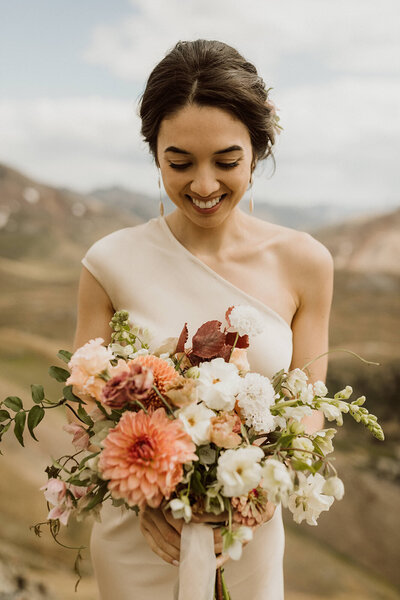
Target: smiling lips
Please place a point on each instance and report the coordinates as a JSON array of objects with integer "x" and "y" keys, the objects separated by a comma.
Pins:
[{"x": 206, "y": 204}]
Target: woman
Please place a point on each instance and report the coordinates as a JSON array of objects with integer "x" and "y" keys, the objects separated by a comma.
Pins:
[{"x": 208, "y": 121}]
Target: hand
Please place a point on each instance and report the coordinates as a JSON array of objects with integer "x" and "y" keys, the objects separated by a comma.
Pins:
[{"x": 163, "y": 534}]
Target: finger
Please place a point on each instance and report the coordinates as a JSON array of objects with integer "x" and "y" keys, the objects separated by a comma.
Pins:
[
  {"x": 167, "y": 557},
  {"x": 177, "y": 524},
  {"x": 222, "y": 559},
  {"x": 210, "y": 517},
  {"x": 156, "y": 519},
  {"x": 164, "y": 536}
]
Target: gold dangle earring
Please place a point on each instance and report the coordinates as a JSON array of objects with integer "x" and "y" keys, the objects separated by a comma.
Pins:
[
  {"x": 251, "y": 202},
  {"x": 161, "y": 202}
]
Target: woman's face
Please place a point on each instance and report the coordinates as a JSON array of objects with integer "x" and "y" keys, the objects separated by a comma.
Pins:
[{"x": 205, "y": 157}]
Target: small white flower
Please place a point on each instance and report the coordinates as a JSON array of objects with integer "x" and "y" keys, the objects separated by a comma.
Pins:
[
  {"x": 255, "y": 399},
  {"x": 233, "y": 541},
  {"x": 320, "y": 389},
  {"x": 307, "y": 394},
  {"x": 120, "y": 350},
  {"x": 334, "y": 487},
  {"x": 181, "y": 509},
  {"x": 196, "y": 419},
  {"x": 308, "y": 501},
  {"x": 303, "y": 443},
  {"x": 218, "y": 383},
  {"x": 239, "y": 470},
  {"x": 333, "y": 412},
  {"x": 323, "y": 439},
  {"x": 296, "y": 412},
  {"x": 246, "y": 320},
  {"x": 296, "y": 381},
  {"x": 276, "y": 481}
]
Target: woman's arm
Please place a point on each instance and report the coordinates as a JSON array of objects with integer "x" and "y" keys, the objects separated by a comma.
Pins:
[
  {"x": 313, "y": 274},
  {"x": 94, "y": 314}
]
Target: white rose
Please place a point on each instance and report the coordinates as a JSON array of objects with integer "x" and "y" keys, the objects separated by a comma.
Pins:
[
  {"x": 239, "y": 470},
  {"x": 218, "y": 383},
  {"x": 196, "y": 419}
]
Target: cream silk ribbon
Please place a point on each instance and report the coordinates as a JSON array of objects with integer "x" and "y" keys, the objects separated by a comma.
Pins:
[{"x": 197, "y": 563}]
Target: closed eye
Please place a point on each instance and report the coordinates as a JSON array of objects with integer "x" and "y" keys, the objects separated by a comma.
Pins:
[{"x": 221, "y": 165}]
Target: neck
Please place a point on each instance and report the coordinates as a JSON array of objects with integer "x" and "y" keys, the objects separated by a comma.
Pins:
[{"x": 208, "y": 240}]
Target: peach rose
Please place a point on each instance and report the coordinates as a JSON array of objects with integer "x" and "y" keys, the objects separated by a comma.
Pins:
[
  {"x": 224, "y": 431},
  {"x": 181, "y": 391},
  {"x": 239, "y": 358}
]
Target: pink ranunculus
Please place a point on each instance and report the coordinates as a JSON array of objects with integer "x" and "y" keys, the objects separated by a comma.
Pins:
[
  {"x": 80, "y": 436},
  {"x": 132, "y": 384},
  {"x": 224, "y": 431},
  {"x": 143, "y": 457}
]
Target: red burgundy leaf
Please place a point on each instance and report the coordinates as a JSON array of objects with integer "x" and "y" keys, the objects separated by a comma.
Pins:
[
  {"x": 226, "y": 352},
  {"x": 208, "y": 340},
  {"x": 228, "y": 312},
  {"x": 182, "y": 339},
  {"x": 242, "y": 342}
]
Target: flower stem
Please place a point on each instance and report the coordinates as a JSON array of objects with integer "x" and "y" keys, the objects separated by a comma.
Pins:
[
  {"x": 368, "y": 362},
  {"x": 163, "y": 400}
]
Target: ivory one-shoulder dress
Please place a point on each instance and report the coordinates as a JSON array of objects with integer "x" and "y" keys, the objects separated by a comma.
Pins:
[{"x": 147, "y": 271}]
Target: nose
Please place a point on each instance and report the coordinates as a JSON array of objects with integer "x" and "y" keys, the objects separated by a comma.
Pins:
[{"x": 205, "y": 183}]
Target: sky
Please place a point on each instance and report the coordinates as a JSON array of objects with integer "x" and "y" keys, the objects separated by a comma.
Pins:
[{"x": 71, "y": 74}]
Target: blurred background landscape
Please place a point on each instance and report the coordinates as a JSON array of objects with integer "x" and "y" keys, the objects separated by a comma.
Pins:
[
  {"x": 44, "y": 232},
  {"x": 73, "y": 167}
]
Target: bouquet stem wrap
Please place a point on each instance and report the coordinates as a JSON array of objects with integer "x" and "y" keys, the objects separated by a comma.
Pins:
[{"x": 197, "y": 564}]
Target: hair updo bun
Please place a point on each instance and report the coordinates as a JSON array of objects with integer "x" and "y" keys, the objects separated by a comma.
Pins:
[{"x": 209, "y": 73}]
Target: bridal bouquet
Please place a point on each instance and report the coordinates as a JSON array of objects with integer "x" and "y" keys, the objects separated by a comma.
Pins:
[{"x": 190, "y": 428}]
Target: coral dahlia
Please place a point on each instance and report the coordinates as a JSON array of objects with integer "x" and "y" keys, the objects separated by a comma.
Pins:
[
  {"x": 163, "y": 373},
  {"x": 143, "y": 457}
]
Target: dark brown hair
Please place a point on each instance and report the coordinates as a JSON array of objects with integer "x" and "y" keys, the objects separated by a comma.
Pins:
[{"x": 209, "y": 73}]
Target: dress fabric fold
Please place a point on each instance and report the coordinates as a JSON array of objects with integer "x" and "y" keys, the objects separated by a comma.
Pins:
[{"x": 147, "y": 272}]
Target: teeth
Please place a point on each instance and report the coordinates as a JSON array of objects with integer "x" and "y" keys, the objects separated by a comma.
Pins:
[{"x": 208, "y": 204}]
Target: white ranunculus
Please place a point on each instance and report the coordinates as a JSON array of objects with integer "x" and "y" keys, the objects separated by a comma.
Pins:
[
  {"x": 296, "y": 381},
  {"x": 276, "y": 481},
  {"x": 246, "y": 320},
  {"x": 296, "y": 412},
  {"x": 334, "y": 487},
  {"x": 181, "y": 509},
  {"x": 196, "y": 419},
  {"x": 218, "y": 384},
  {"x": 320, "y": 389},
  {"x": 255, "y": 399},
  {"x": 309, "y": 500},
  {"x": 239, "y": 471}
]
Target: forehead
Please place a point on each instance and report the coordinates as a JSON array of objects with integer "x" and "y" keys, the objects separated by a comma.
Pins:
[{"x": 201, "y": 129}]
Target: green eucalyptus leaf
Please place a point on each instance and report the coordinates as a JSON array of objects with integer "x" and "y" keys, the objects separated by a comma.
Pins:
[
  {"x": 13, "y": 402},
  {"x": 4, "y": 415},
  {"x": 35, "y": 415},
  {"x": 70, "y": 396},
  {"x": 37, "y": 393},
  {"x": 84, "y": 416},
  {"x": 59, "y": 374},
  {"x": 19, "y": 425},
  {"x": 64, "y": 355}
]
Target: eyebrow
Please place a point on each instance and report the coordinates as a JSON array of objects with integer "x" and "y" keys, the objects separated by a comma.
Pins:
[{"x": 224, "y": 151}]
